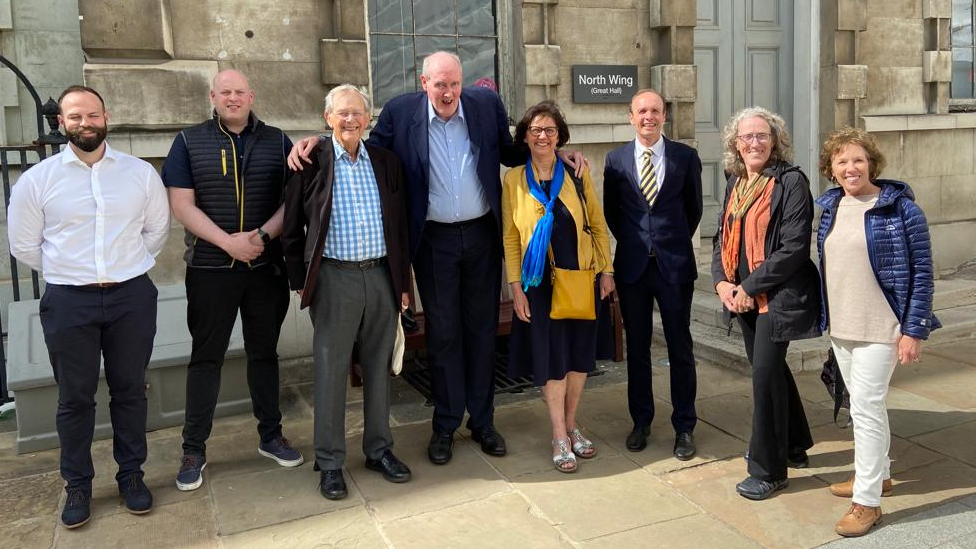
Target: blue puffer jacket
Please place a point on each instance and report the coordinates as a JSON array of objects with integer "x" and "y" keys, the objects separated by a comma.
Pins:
[{"x": 900, "y": 252}]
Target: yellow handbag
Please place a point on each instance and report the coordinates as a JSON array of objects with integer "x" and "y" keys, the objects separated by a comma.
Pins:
[{"x": 573, "y": 291}]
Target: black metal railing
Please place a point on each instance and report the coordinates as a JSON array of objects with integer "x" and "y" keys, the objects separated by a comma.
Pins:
[{"x": 22, "y": 156}]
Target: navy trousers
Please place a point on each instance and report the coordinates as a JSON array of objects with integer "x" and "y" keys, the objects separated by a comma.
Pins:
[
  {"x": 636, "y": 306},
  {"x": 458, "y": 270},
  {"x": 81, "y": 326}
]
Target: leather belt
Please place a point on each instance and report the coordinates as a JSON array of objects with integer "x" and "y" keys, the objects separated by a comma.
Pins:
[
  {"x": 100, "y": 285},
  {"x": 459, "y": 224},
  {"x": 360, "y": 265}
]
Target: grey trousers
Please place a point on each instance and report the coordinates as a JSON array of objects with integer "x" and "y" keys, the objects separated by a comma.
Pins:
[{"x": 352, "y": 305}]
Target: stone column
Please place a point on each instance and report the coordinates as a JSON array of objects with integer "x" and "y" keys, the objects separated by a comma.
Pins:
[
  {"x": 676, "y": 76},
  {"x": 937, "y": 57}
]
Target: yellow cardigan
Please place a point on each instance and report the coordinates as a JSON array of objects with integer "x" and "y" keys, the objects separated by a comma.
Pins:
[{"x": 521, "y": 211}]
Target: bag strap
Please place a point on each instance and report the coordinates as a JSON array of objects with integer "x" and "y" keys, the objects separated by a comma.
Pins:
[{"x": 578, "y": 185}]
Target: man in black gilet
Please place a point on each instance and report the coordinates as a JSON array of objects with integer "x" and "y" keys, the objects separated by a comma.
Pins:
[{"x": 226, "y": 178}]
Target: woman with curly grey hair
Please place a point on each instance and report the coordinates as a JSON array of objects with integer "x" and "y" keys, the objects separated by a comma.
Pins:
[{"x": 763, "y": 274}]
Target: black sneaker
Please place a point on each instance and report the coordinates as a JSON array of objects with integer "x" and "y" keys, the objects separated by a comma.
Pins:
[
  {"x": 77, "y": 508},
  {"x": 136, "y": 495},
  {"x": 190, "y": 476}
]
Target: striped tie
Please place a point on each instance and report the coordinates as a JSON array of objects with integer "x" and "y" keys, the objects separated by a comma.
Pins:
[{"x": 648, "y": 179}]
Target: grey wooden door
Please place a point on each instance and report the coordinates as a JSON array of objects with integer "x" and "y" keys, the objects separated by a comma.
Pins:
[{"x": 744, "y": 54}]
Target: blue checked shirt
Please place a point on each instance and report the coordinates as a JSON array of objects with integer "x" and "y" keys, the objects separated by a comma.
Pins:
[{"x": 356, "y": 224}]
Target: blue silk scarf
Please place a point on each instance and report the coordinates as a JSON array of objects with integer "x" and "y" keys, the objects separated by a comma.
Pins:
[{"x": 534, "y": 262}]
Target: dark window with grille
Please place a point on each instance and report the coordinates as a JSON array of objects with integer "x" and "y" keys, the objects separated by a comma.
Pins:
[
  {"x": 403, "y": 32},
  {"x": 963, "y": 48}
]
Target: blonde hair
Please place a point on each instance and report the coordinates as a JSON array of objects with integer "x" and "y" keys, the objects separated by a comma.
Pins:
[{"x": 838, "y": 139}]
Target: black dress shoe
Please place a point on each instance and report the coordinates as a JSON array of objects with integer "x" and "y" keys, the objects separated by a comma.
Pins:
[
  {"x": 440, "y": 449},
  {"x": 392, "y": 468},
  {"x": 757, "y": 489},
  {"x": 798, "y": 460},
  {"x": 332, "y": 485},
  {"x": 637, "y": 439},
  {"x": 684, "y": 446},
  {"x": 491, "y": 440}
]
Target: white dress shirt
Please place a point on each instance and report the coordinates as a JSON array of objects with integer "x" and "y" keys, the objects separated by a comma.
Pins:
[
  {"x": 657, "y": 156},
  {"x": 79, "y": 225}
]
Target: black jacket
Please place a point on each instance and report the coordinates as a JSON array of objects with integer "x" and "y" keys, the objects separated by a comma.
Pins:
[{"x": 788, "y": 276}]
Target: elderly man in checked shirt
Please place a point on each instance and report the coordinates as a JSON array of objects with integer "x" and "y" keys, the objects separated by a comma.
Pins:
[{"x": 345, "y": 242}]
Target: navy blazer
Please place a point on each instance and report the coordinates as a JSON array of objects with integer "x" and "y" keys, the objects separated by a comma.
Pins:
[
  {"x": 664, "y": 229},
  {"x": 402, "y": 128}
]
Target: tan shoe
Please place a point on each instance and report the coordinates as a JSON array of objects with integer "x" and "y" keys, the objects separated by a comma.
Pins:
[
  {"x": 858, "y": 520},
  {"x": 846, "y": 489}
]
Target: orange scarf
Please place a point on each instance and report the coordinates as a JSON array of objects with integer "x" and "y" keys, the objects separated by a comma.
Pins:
[{"x": 756, "y": 219}]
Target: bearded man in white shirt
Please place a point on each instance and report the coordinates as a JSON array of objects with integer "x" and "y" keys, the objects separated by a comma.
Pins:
[{"x": 91, "y": 219}]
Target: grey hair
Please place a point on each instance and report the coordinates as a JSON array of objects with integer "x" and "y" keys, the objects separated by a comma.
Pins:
[
  {"x": 343, "y": 88},
  {"x": 427, "y": 60},
  {"x": 782, "y": 142}
]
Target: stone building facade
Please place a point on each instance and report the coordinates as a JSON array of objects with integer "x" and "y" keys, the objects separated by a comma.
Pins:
[{"x": 885, "y": 65}]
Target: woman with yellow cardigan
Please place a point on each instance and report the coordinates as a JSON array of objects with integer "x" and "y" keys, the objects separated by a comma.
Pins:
[{"x": 548, "y": 218}]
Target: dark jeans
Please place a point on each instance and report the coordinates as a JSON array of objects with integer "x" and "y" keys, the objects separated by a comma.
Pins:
[
  {"x": 779, "y": 424},
  {"x": 81, "y": 326},
  {"x": 213, "y": 299},
  {"x": 636, "y": 308},
  {"x": 458, "y": 270}
]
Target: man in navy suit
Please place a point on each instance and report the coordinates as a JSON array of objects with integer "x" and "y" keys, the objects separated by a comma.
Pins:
[
  {"x": 451, "y": 144},
  {"x": 653, "y": 203}
]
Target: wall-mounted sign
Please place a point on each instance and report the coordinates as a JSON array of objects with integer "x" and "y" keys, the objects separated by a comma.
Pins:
[{"x": 604, "y": 83}]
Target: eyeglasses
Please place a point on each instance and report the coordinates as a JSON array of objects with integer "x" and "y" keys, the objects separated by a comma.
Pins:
[
  {"x": 749, "y": 137},
  {"x": 347, "y": 114},
  {"x": 550, "y": 131}
]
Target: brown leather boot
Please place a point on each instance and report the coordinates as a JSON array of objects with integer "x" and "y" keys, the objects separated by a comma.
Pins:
[
  {"x": 858, "y": 520},
  {"x": 846, "y": 489}
]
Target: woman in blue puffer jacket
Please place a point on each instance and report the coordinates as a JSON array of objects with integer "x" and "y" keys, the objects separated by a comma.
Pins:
[{"x": 876, "y": 277}]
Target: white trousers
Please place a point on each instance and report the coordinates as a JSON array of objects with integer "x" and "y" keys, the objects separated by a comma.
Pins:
[{"x": 867, "y": 368}]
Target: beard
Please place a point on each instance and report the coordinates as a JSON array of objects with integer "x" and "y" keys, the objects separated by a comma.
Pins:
[{"x": 87, "y": 143}]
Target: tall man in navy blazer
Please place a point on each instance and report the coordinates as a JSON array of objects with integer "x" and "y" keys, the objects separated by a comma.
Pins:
[{"x": 655, "y": 260}]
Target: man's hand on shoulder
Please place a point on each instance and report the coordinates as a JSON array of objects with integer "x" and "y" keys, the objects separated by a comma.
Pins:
[
  {"x": 302, "y": 151},
  {"x": 242, "y": 247},
  {"x": 575, "y": 160}
]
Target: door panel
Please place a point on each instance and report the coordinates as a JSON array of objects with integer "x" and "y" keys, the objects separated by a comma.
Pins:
[{"x": 743, "y": 51}]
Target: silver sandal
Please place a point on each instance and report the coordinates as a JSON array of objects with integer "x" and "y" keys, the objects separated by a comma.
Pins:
[
  {"x": 564, "y": 457},
  {"x": 582, "y": 446}
]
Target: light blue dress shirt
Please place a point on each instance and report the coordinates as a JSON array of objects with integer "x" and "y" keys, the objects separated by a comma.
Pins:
[
  {"x": 455, "y": 193},
  {"x": 356, "y": 223}
]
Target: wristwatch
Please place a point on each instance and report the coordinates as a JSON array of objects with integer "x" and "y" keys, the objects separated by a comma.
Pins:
[{"x": 265, "y": 237}]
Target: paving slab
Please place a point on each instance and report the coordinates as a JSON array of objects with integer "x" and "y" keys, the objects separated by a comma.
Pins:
[
  {"x": 29, "y": 497},
  {"x": 502, "y": 520},
  {"x": 162, "y": 461},
  {"x": 692, "y": 532},
  {"x": 106, "y": 500},
  {"x": 962, "y": 351},
  {"x": 352, "y": 527},
  {"x": 929, "y": 485},
  {"x": 803, "y": 515},
  {"x": 732, "y": 413},
  {"x": 14, "y": 465},
  {"x": 712, "y": 380},
  {"x": 932, "y": 528},
  {"x": 182, "y": 525},
  {"x": 528, "y": 436},
  {"x": 910, "y": 414},
  {"x": 965, "y": 541},
  {"x": 940, "y": 379},
  {"x": 618, "y": 496},
  {"x": 467, "y": 477},
  {"x": 658, "y": 457},
  {"x": 247, "y": 501},
  {"x": 832, "y": 456},
  {"x": 35, "y": 533},
  {"x": 958, "y": 441}
]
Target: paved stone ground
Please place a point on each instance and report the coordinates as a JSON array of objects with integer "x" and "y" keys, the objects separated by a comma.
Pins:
[{"x": 618, "y": 499}]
